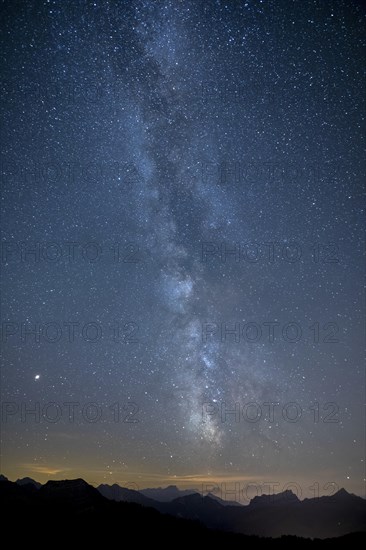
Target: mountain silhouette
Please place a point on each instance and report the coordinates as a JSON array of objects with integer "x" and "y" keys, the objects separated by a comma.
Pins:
[
  {"x": 277, "y": 498},
  {"x": 224, "y": 502},
  {"x": 29, "y": 481},
  {"x": 277, "y": 515},
  {"x": 266, "y": 515},
  {"x": 78, "y": 506},
  {"x": 167, "y": 494},
  {"x": 122, "y": 494},
  {"x": 75, "y": 493}
]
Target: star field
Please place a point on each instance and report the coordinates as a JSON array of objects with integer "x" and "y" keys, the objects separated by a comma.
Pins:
[{"x": 182, "y": 242}]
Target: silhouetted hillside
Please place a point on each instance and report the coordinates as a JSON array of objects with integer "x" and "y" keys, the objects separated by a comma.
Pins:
[
  {"x": 29, "y": 481},
  {"x": 115, "y": 492},
  {"x": 224, "y": 502},
  {"x": 77, "y": 512}
]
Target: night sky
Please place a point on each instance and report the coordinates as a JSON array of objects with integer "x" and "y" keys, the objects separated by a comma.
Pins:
[{"x": 182, "y": 236}]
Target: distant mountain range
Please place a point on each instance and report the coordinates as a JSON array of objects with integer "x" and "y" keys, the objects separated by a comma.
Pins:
[
  {"x": 167, "y": 494},
  {"x": 265, "y": 516}
]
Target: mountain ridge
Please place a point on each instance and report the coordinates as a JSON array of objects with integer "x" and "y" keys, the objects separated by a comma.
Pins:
[{"x": 266, "y": 515}]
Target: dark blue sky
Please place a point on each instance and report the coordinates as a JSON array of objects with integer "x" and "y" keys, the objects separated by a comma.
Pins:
[{"x": 172, "y": 171}]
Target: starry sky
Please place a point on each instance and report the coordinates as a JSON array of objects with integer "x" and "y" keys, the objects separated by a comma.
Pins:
[{"x": 182, "y": 242}]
